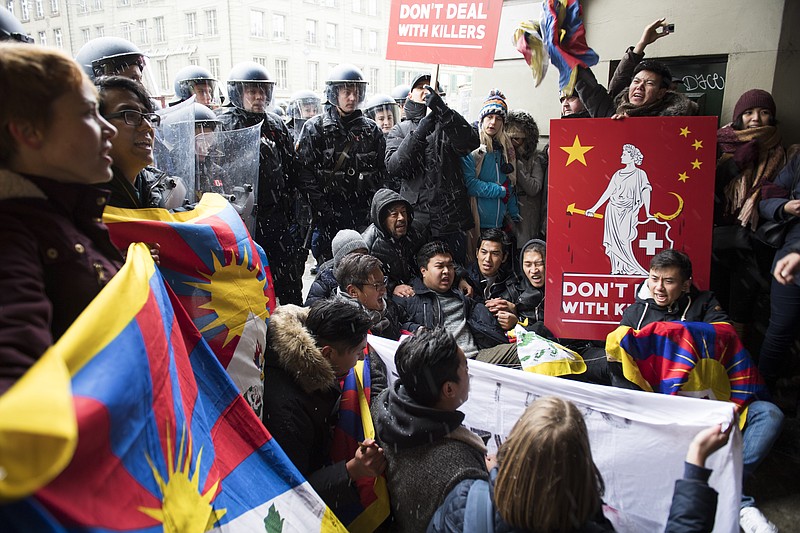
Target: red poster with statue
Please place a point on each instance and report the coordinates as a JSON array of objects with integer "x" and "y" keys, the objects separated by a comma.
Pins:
[{"x": 620, "y": 191}]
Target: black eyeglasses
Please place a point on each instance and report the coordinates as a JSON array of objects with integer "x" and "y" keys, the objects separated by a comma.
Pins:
[
  {"x": 377, "y": 286},
  {"x": 135, "y": 118}
]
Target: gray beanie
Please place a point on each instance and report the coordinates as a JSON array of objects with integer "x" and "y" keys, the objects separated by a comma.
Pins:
[{"x": 345, "y": 242}]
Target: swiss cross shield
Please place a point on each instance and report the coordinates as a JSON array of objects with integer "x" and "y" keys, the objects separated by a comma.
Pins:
[{"x": 652, "y": 237}]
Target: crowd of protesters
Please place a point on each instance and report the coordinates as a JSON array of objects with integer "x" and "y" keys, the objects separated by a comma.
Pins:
[{"x": 423, "y": 223}]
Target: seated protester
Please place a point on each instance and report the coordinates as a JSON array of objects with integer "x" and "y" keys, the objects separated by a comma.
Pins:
[
  {"x": 529, "y": 303},
  {"x": 392, "y": 239},
  {"x": 638, "y": 88},
  {"x": 437, "y": 304},
  {"x": 361, "y": 281},
  {"x": 136, "y": 184},
  {"x": 308, "y": 354},
  {"x": 493, "y": 280},
  {"x": 428, "y": 451},
  {"x": 669, "y": 295},
  {"x": 54, "y": 159},
  {"x": 546, "y": 480},
  {"x": 345, "y": 242}
]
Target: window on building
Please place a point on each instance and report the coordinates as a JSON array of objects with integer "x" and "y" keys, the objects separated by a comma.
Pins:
[
  {"x": 126, "y": 30},
  {"x": 58, "y": 37},
  {"x": 256, "y": 23},
  {"x": 357, "y": 6},
  {"x": 100, "y": 31},
  {"x": 191, "y": 24},
  {"x": 311, "y": 31},
  {"x": 261, "y": 60},
  {"x": 97, "y": 5},
  {"x": 331, "y": 31},
  {"x": 373, "y": 41},
  {"x": 194, "y": 61},
  {"x": 161, "y": 33},
  {"x": 374, "y": 76},
  {"x": 39, "y": 9},
  {"x": 278, "y": 26},
  {"x": 124, "y": 2},
  {"x": 141, "y": 25},
  {"x": 282, "y": 73},
  {"x": 358, "y": 36},
  {"x": 211, "y": 22},
  {"x": 25, "y": 10},
  {"x": 54, "y": 7},
  {"x": 43, "y": 38},
  {"x": 10, "y": 6},
  {"x": 163, "y": 73},
  {"x": 86, "y": 35},
  {"x": 372, "y": 7},
  {"x": 312, "y": 76},
  {"x": 213, "y": 66}
]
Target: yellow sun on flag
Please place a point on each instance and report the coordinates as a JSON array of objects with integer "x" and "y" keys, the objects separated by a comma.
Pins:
[
  {"x": 183, "y": 509},
  {"x": 235, "y": 293}
]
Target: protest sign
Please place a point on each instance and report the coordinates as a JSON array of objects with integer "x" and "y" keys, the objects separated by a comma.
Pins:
[
  {"x": 444, "y": 32},
  {"x": 638, "y": 439},
  {"x": 620, "y": 191}
]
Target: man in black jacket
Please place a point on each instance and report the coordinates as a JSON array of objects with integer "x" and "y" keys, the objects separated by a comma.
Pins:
[
  {"x": 424, "y": 153},
  {"x": 493, "y": 279},
  {"x": 308, "y": 353},
  {"x": 250, "y": 92},
  {"x": 436, "y": 303}
]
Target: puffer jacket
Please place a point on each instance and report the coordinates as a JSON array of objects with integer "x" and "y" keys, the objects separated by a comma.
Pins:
[
  {"x": 423, "y": 309},
  {"x": 489, "y": 185},
  {"x": 694, "y": 306},
  {"x": 429, "y": 169},
  {"x": 324, "y": 284},
  {"x": 397, "y": 255}
]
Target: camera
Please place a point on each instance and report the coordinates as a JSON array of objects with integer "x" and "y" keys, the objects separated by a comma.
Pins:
[
  {"x": 669, "y": 28},
  {"x": 506, "y": 168}
]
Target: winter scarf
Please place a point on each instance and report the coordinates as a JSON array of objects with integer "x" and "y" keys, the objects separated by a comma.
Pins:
[
  {"x": 743, "y": 193},
  {"x": 671, "y": 105}
]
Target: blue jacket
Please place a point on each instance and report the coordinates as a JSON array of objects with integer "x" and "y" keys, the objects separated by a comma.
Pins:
[
  {"x": 487, "y": 187},
  {"x": 772, "y": 208}
]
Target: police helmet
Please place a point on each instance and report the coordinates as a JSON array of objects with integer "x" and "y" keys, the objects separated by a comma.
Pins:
[
  {"x": 107, "y": 56},
  {"x": 299, "y": 100},
  {"x": 187, "y": 77},
  {"x": 11, "y": 29},
  {"x": 203, "y": 116},
  {"x": 382, "y": 102},
  {"x": 343, "y": 75},
  {"x": 248, "y": 72},
  {"x": 400, "y": 93}
]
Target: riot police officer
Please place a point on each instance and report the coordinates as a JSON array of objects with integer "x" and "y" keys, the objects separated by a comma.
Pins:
[
  {"x": 250, "y": 88},
  {"x": 302, "y": 106},
  {"x": 197, "y": 81},
  {"x": 384, "y": 111},
  {"x": 11, "y": 29},
  {"x": 342, "y": 158}
]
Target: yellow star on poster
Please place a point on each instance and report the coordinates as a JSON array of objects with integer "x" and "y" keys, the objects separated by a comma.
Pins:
[
  {"x": 685, "y": 132},
  {"x": 697, "y": 144},
  {"x": 576, "y": 152},
  {"x": 683, "y": 177},
  {"x": 696, "y": 164}
]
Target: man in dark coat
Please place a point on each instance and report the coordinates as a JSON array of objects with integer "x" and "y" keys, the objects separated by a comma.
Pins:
[
  {"x": 424, "y": 153},
  {"x": 393, "y": 239},
  {"x": 417, "y": 423},
  {"x": 308, "y": 353},
  {"x": 342, "y": 156},
  {"x": 493, "y": 279},
  {"x": 250, "y": 91}
]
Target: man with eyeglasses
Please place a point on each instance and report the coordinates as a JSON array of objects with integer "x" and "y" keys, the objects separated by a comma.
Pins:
[
  {"x": 136, "y": 183},
  {"x": 361, "y": 281}
]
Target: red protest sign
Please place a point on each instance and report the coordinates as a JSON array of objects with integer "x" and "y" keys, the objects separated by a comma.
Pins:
[
  {"x": 620, "y": 191},
  {"x": 444, "y": 32}
]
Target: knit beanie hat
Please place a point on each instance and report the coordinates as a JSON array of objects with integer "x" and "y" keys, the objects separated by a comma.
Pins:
[
  {"x": 754, "y": 98},
  {"x": 345, "y": 242},
  {"x": 495, "y": 104}
]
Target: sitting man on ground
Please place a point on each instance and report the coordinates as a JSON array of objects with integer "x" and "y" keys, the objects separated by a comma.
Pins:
[
  {"x": 437, "y": 304},
  {"x": 392, "y": 239},
  {"x": 346, "y": 241},
  {"x": 647, "y": 85},
  {"x": 492, "y": 277},
  {"x": 361, "y": 282},
  {"x": 669, "y": 295},
  {"x": 309, "y": 352},
  {"x": 428, "y": 451}
]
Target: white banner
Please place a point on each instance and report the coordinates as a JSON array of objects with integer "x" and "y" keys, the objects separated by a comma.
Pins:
[{"x": 639, "y": 439}]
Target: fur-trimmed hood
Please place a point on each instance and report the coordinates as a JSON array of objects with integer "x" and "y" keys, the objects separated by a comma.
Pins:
[
  {"x": 13, "y": 185},
  {"x": 524, "y": 121},
  {"x": 291, "y": 347}
]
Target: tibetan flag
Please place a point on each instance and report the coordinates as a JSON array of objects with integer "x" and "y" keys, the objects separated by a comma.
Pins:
[
  {"x": 163, "y": 439},
  {"x": 219, "y": 274},
  {"x": 688, "y": 358},
  {"x": 528, "y": 41},
  {"x": 354, "y": 425},
  {"x": 565, "y": 37}
]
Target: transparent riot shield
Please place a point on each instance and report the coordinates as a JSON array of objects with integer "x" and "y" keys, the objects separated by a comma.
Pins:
[
  {"x": 227, "y": 163},
  {"x": 173, "y": 152}
]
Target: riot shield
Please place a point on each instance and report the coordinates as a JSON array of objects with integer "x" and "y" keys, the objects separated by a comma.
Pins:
[
  {"x": 173, "y": 152},
  {"x": 227, "y": 163}
]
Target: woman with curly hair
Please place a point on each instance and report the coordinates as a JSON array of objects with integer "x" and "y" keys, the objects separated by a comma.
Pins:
[{"x": 521, "y": 128}]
